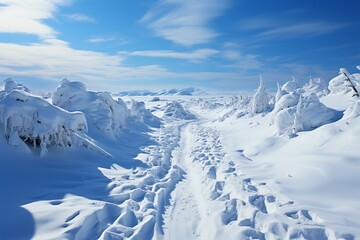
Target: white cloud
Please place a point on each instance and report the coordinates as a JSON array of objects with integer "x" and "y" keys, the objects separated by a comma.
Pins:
[
  {"x": 20, "y": 16},
  {"x": 101, "y": 39},
  {"x": 196, "y": 55},
  {"x": 274, "y": 28},
  {"x": 54, "y": 59},
  {"x": 302, "y": 30},
  {"x": 80, "y": 17},
  {"x": 184, "y": 22}
]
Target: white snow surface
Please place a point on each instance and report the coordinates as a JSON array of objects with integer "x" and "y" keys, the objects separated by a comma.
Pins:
[{"x": 180, "y": 167}]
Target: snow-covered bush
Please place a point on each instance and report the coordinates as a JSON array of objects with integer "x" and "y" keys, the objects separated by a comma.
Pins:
[
  {"x": 176, "y": 110},
  {"x": 340, "y": 83},
  {"x": 101, "y": 110},
  {"x": 316, "y": 86},
  {"x": 307, "y": 114},
  {"x": 260, "y": 100},
  {"x": 290, "y": 86},
  {"x": 28, "y": 118},
  {"x": 141, "y": 114},
  {"x": 279, "y": 93}
]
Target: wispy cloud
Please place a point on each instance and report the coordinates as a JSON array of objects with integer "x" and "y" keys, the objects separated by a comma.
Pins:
[
  {"x": 101, "y": 39},
  {"x": 79, "y": 17},
  {"x": 303, "y": 30},
  {"x": 184, "y": 22},
  {"x": 275, "y": 28},
  {"x": 196, "y": 55},
  {"x": 19, "y": 16},
  {"x": 109, "y": 38},
  {"x": 238, "y": 59}
]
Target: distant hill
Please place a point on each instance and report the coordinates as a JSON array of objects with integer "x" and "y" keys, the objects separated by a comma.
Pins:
[{"x": 169, "y": 92}]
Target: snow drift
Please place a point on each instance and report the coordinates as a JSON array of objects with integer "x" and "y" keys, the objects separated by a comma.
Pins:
[
  {"x": 176, "y": 110},
  {"x": 28, "y": 118},
  {"x": 102, "y": 112}
]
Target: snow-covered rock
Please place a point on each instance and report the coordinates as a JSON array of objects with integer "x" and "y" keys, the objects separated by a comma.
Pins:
[
  {"x": 141, "y": 114},
  {"x": 176, "y": 110},
  {"x": 102, "y": 112},
  {"x": 28, "y": 118}
]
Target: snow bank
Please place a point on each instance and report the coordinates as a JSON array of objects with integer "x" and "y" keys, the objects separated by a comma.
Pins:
[
  {"x": 353, "y": 111},
  {"x": 143, "y": 115},
  {"x": 316, "y": 86},
  {"x": 301, "y": 113},
  {"x": 176, "y": 110},
  {"x": 28, "y": 118},
  {"x": 102, "y": 112}
]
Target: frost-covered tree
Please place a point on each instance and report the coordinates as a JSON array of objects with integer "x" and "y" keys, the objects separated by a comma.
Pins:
[
  {"x": 279, "y": 93},
  {"x": 260, "y": 100},
  {"x": 348, "y": 77}
]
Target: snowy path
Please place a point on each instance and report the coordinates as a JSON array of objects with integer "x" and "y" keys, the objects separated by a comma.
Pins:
[
  {"x": 216, "y": 200},
  {"x": 182, "y": 217}
]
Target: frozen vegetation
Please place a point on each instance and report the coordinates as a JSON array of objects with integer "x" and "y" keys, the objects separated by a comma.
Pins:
[{"x": 177, "y": 164}]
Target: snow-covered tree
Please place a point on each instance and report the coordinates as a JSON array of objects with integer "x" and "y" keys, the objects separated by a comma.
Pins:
[
  {"x": 279, "y": 93},
  {"x": 260, "y": 100}
]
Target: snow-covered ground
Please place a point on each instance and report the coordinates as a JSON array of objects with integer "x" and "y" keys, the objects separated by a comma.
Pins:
[{"x": 85, "y": 165}]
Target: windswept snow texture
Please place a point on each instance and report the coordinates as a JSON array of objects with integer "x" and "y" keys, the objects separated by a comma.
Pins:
[{"x": 181, "y": 167}]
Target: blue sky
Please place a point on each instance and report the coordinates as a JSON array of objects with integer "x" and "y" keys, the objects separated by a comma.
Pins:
[{"x": 117, "y": 45}]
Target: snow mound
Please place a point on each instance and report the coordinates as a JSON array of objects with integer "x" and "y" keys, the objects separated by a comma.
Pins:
[
  {"x": 10, "y": 84},
  {"x": 28, "y": 118},
  {"x": 102, "y": 112},
  {"x": 143, "y": 115},
  {"x": 176, "y": 110},
  {"x": 316, "y": 86},
  {"x": 304, "y": 113},
  {"x": 353, "y": 111}
]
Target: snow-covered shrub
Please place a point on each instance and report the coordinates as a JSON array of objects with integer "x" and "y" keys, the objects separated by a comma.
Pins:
[
  {"x": 279, "y": 93},
  {"x": 290, "y": 86},
  {"x": 307, "y": 114},
  {"x": 260, "y": 100},
  {"x": 28, "y": 118},
  {"x": 340, "y": 84},
  {"x": 101, "y": 110},
  {"x": 141, "y": 114},
  {"x": 316, "y": 86},
  {"x": 176, "y": 110}
]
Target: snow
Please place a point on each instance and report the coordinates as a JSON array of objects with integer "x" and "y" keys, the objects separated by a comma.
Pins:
[
  {"x": 169, "y": 92},
  {"x": 260, "y": 100},
  {"x": 102, "y": 112},
  {"x": 180, "y": 166}
]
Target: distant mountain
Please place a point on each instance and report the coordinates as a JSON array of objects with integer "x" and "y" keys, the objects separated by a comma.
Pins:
[{"x": 170, "y": 92}]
